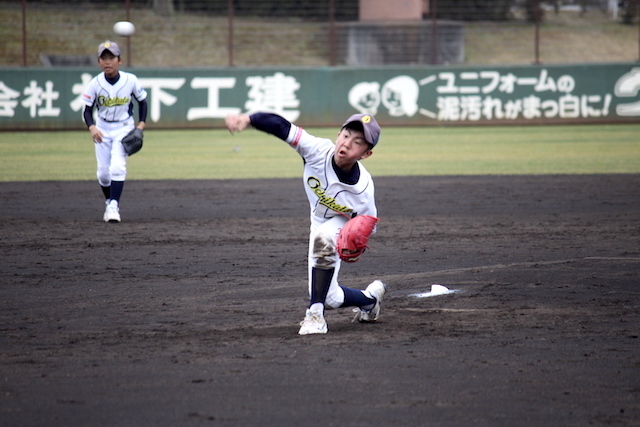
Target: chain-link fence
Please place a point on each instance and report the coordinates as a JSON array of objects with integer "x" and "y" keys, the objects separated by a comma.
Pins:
[{"x": 220, "y": 33}]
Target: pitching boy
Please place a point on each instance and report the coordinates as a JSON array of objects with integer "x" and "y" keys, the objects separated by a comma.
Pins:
[
  {"x": 338, "y": 188},
  {"x": 112, "y": 92}
]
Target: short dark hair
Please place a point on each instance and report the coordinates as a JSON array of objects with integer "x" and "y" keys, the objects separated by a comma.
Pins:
[
  {"x": 355, "y": 126},
  {"x": 359, "y": 127}
]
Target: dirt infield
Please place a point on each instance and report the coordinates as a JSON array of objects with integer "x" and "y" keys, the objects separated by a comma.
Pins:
[{"x": 187, "y": 312}]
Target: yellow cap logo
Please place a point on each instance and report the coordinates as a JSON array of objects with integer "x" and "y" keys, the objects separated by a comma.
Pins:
[
  {"x": 366, "y": 119},
  {"x": 107, "y": 44}
]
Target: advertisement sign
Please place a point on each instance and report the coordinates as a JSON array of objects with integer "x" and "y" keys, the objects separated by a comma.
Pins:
[{"x": 50, "y": 98}]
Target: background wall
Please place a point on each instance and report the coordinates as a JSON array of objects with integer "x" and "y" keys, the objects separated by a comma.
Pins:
[{"x": 43, "y": 98}]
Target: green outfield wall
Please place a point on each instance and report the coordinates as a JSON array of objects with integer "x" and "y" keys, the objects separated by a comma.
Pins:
[{"x": 51, "y": 98}]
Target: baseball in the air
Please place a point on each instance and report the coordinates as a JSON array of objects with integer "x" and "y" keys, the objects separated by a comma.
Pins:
[{"x": 124, "y": 28}]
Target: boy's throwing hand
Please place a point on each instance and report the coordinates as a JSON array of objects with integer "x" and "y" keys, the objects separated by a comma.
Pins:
[{"x": 237, "y": 122}]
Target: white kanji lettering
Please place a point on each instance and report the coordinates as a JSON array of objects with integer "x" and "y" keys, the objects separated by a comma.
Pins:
[
  {"x": 448, "y": 108},
  {"x": 48, "y": 96},
  {"x": 213, "y": 109},
  {"x": 158, "y": 96},
  {"x": 471, "y": 108},
  {"x": 7, "y": 103},
  {"x": 275, "y": 93},
  {"x": 33, "y": 98},
  {"x": 36, "y": 96},
  {"x": 569, "y": 106}
]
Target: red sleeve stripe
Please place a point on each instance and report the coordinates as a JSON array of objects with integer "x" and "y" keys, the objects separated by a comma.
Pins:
[{"x": 296, "y": 137}]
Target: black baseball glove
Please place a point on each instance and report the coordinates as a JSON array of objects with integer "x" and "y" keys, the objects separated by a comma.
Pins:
[{"x": 132, "y": 143}]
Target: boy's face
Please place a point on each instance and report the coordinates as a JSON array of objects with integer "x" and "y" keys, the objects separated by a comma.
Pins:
[
  {"x": 109, "y": 63},
  {"x": 350, "y": 147}
]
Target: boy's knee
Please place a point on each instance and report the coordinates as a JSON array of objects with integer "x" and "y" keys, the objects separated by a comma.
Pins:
[
  {"x": 118, "y": 173},
  {"x": 104, "y": 177},
  {"x": 324, "y": 251}
]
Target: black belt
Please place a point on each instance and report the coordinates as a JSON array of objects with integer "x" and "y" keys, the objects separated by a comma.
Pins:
[{"x": 117, "y": 121}]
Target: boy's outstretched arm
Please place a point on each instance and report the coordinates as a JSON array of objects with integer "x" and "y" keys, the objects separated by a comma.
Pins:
[{"x": 267, "y": 122}]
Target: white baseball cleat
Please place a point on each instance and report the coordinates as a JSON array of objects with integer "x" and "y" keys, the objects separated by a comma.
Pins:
[
  {"x": 111, "y": 213},
  {"x": 376, "y": 289},
  {"x": 313, "y": 323}
]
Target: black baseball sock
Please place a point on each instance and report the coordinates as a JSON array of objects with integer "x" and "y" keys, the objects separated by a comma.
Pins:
[
  {"x": 320, "y": 282},
  {"x": 106, "y": 191},
  {"x": 116, "y": 190}
]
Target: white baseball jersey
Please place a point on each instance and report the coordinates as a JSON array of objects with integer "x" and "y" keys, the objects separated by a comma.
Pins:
[
  {"x": 114, "y": 102},
  {"x": 327, "y": 195}
]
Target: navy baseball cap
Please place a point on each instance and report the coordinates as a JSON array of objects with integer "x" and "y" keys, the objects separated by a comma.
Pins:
[
  {"x": 110, "y": 46},
  {"x": 370, "y": 127}
]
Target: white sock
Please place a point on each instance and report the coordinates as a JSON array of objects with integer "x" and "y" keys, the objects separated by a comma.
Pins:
[{"x": 317, "y": 307}]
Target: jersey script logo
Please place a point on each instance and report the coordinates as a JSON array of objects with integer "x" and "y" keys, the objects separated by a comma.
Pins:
[
  {"x": 113, "y": 102},
  {"x": 323, "y": 199}
]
